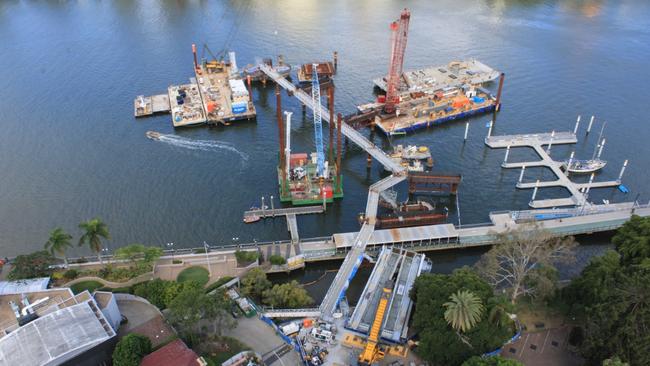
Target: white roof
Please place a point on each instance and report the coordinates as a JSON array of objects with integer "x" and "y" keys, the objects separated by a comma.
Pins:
[
  {"x": 23, "y": 286},
  {"x": 55, "y": 337},
  {"x": 400, "y": 235},
  {"x": 237, "y": 86}
]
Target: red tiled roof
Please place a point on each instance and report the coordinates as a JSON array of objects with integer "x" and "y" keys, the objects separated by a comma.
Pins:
[{"x": 175, "y": 353}]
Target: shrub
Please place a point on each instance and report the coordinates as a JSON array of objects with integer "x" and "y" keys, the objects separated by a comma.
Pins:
[
  {"x": 177, "y": 261},
  {"x": 32, "y": 265},
  {"x": 277, "y": 260},
  {"x": 71, "y": 274},
  {"x": 246, "y": 257},
  {"x": 131, "y": 349}
]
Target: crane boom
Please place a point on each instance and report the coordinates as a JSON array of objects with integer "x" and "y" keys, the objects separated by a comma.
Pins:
[
  {"x": 372, "y": 353},
  {"x": 399, "y": 35},
  {"x": 318, "y": 122}
]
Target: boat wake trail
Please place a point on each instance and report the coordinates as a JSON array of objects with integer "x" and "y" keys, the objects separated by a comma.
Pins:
[{"x": 203, "y": 145}]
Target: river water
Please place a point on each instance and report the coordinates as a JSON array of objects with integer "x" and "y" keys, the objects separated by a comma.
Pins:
[{"x": 71, "y": 150}]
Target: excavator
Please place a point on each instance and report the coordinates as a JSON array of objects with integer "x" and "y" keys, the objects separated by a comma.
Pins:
[{"x": 373, "y": 352}]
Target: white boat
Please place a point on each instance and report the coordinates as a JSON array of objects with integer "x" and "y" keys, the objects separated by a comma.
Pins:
[
  {"x": 153, "y": 135},
  {"x": 583, "y": 166}
]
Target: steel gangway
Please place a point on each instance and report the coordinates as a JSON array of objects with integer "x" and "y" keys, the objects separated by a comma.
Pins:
[{"x": 355, "y": 256}]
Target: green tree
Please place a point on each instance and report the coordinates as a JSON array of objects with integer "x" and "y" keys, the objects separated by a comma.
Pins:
[
  {"x": 491, "y": 361},
  {"x": 439, "y": 343},
  {"x": 287, "y": 295},
  {"x": 192, "y": 305},
  {"x": 514, "y": 264},
  {"x": 611, "y": 300},
  {"x": 254, "y": 283},
  {"x": 277, "y": 260},
  {"x": 93, "y": 232},
  {"x": 139, "y": 255},
  {"x": 131, "y": 349},
  {"x": 32, "y": 265},
  {"x": 58, "y": 243},
  {"x": 463, "y": 310},
  {"x": 632, "y": 240}
]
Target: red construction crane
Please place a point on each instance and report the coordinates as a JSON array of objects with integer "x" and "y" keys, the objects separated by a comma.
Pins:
[{"x": 399, "y": 34}]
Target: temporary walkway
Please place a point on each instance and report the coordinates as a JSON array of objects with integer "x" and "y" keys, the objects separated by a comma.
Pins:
[
  {"x": 304, "y": 210},
  {"x": 354, "y": 258},
  {"x": 578, "y": 190},
  {"x": 392, "y": 264}
]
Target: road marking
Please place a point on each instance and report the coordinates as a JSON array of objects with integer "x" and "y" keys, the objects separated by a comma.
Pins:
[
  {"x": 545, "y": 338},
  {"x": 524, "y": 347}
]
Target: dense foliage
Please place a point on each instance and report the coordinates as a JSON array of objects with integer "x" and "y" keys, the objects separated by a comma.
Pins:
[
  {"x": 32, "y": 265},
  {"x": 611, "y": 299},
  {"x": 255, "y": 285},
  {"x": 277, "y": 260},
  {"x": 491, "y": 361},
  {"x": 440, "y": 344},
  {"x": 246, "y": 257},
  {"x": 160, "y": 292},
  {"x": 192, "y": 309},
  {"x": 130, "y": 350},
  {"x": 287, "y": 295},
  {"x": 138, "y": 253}
]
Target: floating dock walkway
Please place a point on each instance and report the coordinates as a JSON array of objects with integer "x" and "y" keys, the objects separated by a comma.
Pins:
[
  {"x": 578, "y": 191},
  {"x": 289, "y": 213}
]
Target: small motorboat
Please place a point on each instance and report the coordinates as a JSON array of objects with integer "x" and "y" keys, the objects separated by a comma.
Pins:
[
  {"x": 153, "y": 135},
  {"x": 583, "y": 166},
  {"x": 251, "y": 219}
]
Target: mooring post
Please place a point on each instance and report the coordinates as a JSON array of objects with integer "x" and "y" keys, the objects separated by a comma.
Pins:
[
  {"x": 521, "y": 175},
  {"x": 336, "y": 61},
  {"x": 490, "y": 130},
  {"x": 591, "y": 180},
  {"x": 600, "y": 149},
  {"x": 263, "y": 213},
  {"x": 535, "y": 191},
  {"x": 591, "y": 122},
  {"x": 620, "y": 175},
  {"x": 575, "y": 129},
  {"x": 550, "y": 144},
  {"x": 272, "y": 208},
  {"x": 568, "y": 166},
  {"x": 466, "y": 131},
  {"x": 505, "y": 159}
]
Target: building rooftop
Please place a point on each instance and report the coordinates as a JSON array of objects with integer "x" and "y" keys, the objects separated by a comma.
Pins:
[
  {"x": 20, "y": 286},
  {"x": 43, "y": 302},
  {"x": 175, "y": 353},
  {"x": 56, "y": 337}
]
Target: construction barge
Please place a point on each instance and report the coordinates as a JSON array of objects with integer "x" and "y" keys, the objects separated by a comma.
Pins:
[
  {"x": 427, "y": 97},
  {"x": 215, "y": 95}
]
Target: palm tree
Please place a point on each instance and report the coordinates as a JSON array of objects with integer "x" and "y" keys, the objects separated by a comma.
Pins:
[
  {"x": 94, "y": 230},
  {"x": 58, "y": 242},
  {"x": 463, "y": 311}
]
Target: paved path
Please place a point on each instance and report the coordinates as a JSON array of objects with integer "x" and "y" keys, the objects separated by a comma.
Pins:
[{"x": 263, "y": 340}]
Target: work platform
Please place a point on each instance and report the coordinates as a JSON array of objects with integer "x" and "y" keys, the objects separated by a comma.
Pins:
[
  {"x": 402, "y": 266},
  {"x": 150, "y": 105},
  {"x": 579, "y": 191},
  {"x": 454, "y": 74}
]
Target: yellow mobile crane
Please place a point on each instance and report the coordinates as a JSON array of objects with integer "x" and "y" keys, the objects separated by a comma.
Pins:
[{"x": 373, "y": 352}]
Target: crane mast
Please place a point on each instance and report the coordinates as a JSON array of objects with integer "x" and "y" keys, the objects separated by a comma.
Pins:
[
  {"x": 399, "y": 35},
  {"x": 318, "y": 123}
]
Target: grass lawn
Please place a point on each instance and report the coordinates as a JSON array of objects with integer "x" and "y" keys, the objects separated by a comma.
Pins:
[
  {"x": 85, "y": 285},
  {"x": 195, "y": 273}
]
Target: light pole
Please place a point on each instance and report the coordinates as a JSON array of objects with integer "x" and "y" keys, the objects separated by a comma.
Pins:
[
  {"x": 207, "y": 258},
  {"x": 171, "y": 247}
]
